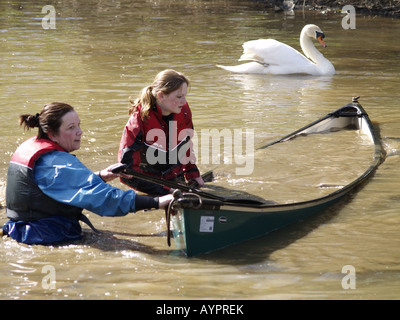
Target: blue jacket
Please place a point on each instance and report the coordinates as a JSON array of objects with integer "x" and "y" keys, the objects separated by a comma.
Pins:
[
  {"x": 41, "y": 173},
  {"x": 62, "y": 177}
]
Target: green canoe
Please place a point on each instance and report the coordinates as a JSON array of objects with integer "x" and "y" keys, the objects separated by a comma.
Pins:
[{"x": 200, "y": 223}]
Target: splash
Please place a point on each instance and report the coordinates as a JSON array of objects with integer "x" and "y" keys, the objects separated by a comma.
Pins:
[{"x": 391, "y": 146}]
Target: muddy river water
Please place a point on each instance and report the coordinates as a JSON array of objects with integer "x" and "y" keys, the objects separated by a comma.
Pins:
[{"x": 101, "y": 52}]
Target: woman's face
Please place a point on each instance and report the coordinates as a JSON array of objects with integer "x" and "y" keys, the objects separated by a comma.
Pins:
[
  {"x": 69, "y": 133},
  {"x": 172, "y": 102}
]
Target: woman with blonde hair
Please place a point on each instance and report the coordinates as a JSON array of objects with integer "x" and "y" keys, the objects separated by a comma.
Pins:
[{"x": 156, "y": 138}]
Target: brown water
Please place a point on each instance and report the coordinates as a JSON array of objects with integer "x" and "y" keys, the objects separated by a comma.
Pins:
[{"x": 101, "y": 53}]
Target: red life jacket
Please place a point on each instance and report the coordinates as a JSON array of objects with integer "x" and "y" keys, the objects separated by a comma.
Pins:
[
  {"x": 30, "y": 150},
  {"x": 159, "y": 148},
  {"x": 25, "y": 201}
]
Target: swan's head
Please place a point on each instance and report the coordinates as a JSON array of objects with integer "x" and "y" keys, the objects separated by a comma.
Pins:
[{"x": 314, "y": 32}]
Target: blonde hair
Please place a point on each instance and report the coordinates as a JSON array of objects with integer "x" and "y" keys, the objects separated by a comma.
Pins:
[{"x": 166, "y": 82}]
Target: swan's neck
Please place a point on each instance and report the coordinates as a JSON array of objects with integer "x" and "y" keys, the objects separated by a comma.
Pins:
[
  {"x": 309, "y": 49},
  {"x": 312, "y": 53}
]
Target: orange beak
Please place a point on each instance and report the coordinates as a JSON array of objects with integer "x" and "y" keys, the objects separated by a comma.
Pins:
[{"x": 321, "y": 41}]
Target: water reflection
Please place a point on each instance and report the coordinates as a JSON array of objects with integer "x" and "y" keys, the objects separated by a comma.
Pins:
[{"x": 282, "y": 90}]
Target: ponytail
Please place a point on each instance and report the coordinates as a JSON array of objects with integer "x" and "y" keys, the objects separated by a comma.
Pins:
[
  {"x": 29, "y": 121},
  {"x": 146, "y": 99},
  {"x": 48, "y": 119}
]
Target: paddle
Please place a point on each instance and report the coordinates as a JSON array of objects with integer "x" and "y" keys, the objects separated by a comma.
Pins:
[
  {"x": 194, "y": 190},
  {"x": 174, "y": 184}
]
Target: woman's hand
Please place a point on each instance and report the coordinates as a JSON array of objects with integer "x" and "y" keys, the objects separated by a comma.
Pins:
[
  {"x": 199, "y": 181},
  {"x": 165, "y": 200},
  {"x": 107, "y": 175}
]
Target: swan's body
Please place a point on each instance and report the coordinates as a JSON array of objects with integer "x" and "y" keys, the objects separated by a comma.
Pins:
[{"x": 273, "y": 57}]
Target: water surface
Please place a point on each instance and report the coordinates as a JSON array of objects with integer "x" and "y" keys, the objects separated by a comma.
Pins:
[{"x": 102, "y": 53}]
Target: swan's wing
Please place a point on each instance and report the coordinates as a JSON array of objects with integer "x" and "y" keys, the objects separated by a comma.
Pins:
[
  {"x": 250, "y": 67},
  {"x": 272, "y": 52}
]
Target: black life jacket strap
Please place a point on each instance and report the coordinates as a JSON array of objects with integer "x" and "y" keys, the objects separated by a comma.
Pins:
[{"x": 86, "y": 220}]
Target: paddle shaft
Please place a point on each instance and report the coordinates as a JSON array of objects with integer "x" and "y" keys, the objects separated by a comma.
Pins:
[{"x": 172, "y": 184}]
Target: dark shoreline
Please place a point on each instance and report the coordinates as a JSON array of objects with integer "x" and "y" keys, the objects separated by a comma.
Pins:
[{"x": 386, "y": 8}]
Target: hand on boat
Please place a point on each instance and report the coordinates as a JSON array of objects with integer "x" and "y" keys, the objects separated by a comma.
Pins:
[
  {"x": 200, "y": 181},
  {"x": 165, "y": 200},
  {"x": 196, "y": 182},
  {"x": 107, "y": 174}
]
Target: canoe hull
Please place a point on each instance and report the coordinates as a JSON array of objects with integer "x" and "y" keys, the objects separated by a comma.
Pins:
[{"x": 202, "y": 231}]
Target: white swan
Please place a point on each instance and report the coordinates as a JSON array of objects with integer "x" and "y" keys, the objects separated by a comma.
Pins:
[{"x": 273, "y": 57}]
